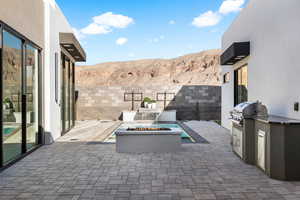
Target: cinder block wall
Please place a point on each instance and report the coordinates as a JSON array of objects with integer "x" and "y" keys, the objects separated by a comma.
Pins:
[{"x": 191, "y": 102}]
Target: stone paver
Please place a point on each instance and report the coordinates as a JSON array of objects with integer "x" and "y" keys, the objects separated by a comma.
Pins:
[{"x": 77, "y": 169}]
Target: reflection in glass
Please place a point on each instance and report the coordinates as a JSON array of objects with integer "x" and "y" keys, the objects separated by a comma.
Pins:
[
  {"x": 71, "y": 96},
  {"x": 242, "y": 84},
  {"x": 31, "y": 96},
  {"x": 12, "y": 97},
  {"x": 67, "y": 99}
]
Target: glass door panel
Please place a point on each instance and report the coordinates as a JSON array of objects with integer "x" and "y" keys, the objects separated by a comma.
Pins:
[
  {"x": 62, "y": 94},
  {"x": 12, "y": 97},
  {"x": 31, "y": 97},
  {"x": 71, "y": 95},
  {"x": 67, "y": 96}
]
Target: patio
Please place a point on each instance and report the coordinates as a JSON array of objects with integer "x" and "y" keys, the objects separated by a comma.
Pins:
[{"x": 78, "y": 167}]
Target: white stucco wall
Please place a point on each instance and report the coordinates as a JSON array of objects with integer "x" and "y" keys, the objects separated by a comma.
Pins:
[
  {"x": 55, "y": 22},
  {"x": 227, "y": 99},
  {"x": 273, "y": 29}
]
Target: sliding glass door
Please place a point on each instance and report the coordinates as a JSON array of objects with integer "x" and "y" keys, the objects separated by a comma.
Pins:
[
  {"x": 67, "y": 94},
  {"x": 19, "y": 93},
  {"x": 12, "y": 97},
  {"x": 32, "y": 114},
  {"x": 72, "y": 95}
]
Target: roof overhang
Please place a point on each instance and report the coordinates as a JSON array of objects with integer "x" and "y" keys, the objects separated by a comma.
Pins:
[
  {"x": 69, "y": 42},
  {"x": 236, "y": 52}
]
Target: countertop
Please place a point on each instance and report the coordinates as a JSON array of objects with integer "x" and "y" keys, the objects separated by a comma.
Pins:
[{"x": 273, "y": 119}]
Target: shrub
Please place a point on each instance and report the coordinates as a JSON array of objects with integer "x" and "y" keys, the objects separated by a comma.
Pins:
[{"x": 147, "y": 100}]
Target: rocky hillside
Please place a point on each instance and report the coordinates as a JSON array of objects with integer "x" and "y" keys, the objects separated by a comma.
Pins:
[{"x": 194, "y": 69}]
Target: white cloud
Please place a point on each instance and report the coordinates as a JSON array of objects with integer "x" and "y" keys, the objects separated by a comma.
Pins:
[
  {"x": 95, "y": 29},
  {"x": 104, "y": 24},
  {"x": 172, "y": 22},
  {"x": 211, "y": 18},
  {"x": 113, "y": 20},
  {"x": 208, "y": 18},
  {"x": 229, "y": 6},
  {"x": 121, "y": 41}
]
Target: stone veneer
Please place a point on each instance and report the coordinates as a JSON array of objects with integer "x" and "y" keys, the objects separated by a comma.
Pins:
[{"x": 194, "y": 102}]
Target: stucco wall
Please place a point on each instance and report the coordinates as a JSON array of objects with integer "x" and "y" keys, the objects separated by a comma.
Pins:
[
  {"x": 56, "y": 22},
  {"x": 26, "y": 18},
  {"x": 191, "y": 102},
  {"x": 273, "y": 29}
]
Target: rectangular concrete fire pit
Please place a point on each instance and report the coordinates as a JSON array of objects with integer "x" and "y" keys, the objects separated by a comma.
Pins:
[{"x": 156, "y": 141}]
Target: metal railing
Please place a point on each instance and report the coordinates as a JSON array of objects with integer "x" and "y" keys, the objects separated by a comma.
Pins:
[
  {"x": 133, "y": 97},
  {"x": 165, "y": 96}
]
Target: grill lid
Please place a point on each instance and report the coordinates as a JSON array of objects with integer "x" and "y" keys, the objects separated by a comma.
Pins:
[
  {"x": 242, "y": 106},
  {"x": 249, "y": 110}
]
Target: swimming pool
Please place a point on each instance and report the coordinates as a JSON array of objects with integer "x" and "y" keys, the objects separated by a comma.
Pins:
[
  {"x": 185, "y": 137},
  {"x": 9, "y": 130}
]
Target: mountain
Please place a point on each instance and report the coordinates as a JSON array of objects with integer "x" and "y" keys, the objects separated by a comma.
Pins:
[{"x": 194, "y": 69}]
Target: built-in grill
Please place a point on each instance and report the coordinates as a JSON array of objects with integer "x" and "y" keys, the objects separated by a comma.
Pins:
[
  {"x": 243, "y": 129},
  {"x": 248, "y": 110}
]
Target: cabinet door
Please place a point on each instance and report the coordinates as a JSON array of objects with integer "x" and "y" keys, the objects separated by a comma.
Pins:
[
  {"x": 237, "y": 137},
  {"x": 261, "y": 149}
]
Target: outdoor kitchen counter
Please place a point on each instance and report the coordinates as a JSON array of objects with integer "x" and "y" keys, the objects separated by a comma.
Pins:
[
  {"x": 273, "y": 119},
  {"x": 277, "y": 146}
]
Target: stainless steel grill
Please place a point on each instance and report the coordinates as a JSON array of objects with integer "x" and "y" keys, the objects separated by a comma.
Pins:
[
  {"x": 243, "y": 129},
  {"x": 248, "y": 110}
]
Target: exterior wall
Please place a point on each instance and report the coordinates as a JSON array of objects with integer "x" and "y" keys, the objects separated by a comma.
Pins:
[
  {"x": 227, "y": 97},
  {"x": 26, "y": 18},
  {"x": 191, "y": 102},
  {"x": 273, "y": 67},
  {"x": 55, "y": 23},
  {"x": 41, "y": 21}
]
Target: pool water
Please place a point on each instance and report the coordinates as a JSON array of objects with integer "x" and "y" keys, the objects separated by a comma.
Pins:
[
  {"x": 185, "y": 137},
  {"x": 8, "y": 130}
]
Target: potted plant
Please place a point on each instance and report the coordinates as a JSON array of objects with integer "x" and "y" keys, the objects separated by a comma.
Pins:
[
  {"x": 146, "y": 101},
  {"x": 152, "y": 104},
  {"x": 7, "y": 104}
]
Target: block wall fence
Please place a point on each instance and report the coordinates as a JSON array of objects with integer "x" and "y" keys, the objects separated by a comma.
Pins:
[{"x": 191, "y": 102}]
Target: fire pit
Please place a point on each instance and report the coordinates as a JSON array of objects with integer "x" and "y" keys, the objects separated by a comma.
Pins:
[
  {"x": 149, "y": 129},
  {"x": 146, "y": 140}
]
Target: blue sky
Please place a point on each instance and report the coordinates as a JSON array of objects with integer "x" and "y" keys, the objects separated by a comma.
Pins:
[{"x": 118, "y": 30}]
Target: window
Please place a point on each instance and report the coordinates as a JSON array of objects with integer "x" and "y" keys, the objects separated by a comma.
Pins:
[
  {"x": 226, "y": 78},
  {"x": 56, "y": 77},
  {"x": 241, "y": 85}
]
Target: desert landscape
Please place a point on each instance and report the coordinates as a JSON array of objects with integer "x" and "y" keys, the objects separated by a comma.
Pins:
[
  {"x": 201, "y": 68},
  {"x": 193, "y": 79}
]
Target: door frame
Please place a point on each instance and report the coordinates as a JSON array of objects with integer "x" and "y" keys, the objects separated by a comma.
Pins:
[
  {"x": 25, "y": 41},
  {"x": 71, "y": 91}
]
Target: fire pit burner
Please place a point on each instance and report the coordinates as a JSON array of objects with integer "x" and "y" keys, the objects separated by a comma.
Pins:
[{"x": 148, "y": 129}]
